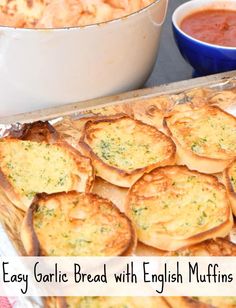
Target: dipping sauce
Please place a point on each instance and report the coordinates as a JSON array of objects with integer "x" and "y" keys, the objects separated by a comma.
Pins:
[
  {"x": 65, "y": 13},
  {"x": 216, "y": 27}
]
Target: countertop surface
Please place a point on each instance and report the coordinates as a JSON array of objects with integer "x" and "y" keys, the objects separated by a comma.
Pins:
[{"x": 170, "y": 66}]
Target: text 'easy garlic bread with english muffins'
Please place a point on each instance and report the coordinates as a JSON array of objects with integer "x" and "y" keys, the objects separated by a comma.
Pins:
[
  {"x": 229, "y": 177},
  {"x": 76, "y": 224},
  {"x": 205, "y": 138},
  {"x": 35, "y": 160},
  {"x": 123, "y": 149},
  {"x": 173, "y": 207},
  {"x": 111, "y": 302}
]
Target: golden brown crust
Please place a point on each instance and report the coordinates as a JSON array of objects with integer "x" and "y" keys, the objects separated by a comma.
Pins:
[
  {"x": 28, "y": 234},
  {"x": 214, "y": 247},
  {"x": 202, "y": 302},
  {"x": 186, "y": 156},
  {"x": 50, "y": 302},
  {"x": 151, "y": 111},
  {"x": 218, "y": 301},
  {"x": 37, "y": 131},
  {"x": 153, "y": 203},
  {"x": 185, "y": 302},
  {"x": 61, "y": 302},
  {"x": 227, "y": 178},
  {"x": 43, "y": 133},
  {"x": 114, "y": 174},
  {"x": 124, "y": 241}
]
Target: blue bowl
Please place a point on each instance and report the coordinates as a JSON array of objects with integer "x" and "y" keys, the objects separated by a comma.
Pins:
[{"x": 205, "y": 58}]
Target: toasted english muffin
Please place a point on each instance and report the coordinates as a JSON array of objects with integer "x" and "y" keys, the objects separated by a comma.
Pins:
[
  {"x": 229, "y": 177},
  {"x": 186, "y": 302},
  {"x": 205, "y": 138},
  {"x": 112, "y": 302},
  {"x": 173, "y": 207},
  {"x": 151, "y": 111},
  {"x": 202, "y": 302},
  {"x": 76, "y": 224},
  {"x": 218, "y": 247},
  {"x": 35, "y": 160},
  {"x": 123, "y": 149},
  {"x": 218, "y": 301},
  {"x": 72, "y": 130}
]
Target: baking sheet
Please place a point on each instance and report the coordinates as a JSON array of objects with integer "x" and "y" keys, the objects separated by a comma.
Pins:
[
  {"x": 219, "y": 81},
  {"x": 169, "y": 95}
]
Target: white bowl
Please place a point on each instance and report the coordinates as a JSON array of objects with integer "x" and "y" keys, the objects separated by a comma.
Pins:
[{"x": 47, "y": 67}]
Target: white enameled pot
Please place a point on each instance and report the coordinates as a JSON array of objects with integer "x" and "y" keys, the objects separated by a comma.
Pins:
[{"x": 42, "y": 68}]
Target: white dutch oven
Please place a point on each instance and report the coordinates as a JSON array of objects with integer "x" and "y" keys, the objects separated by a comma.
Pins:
[{"x": 49, "y": 67}]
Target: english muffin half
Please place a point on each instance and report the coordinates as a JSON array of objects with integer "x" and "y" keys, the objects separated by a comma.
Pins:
[
  {"x": 229, "y": 177},
  {"x": 205, "y": 138},
  {"x": 123, "y": 149},
  {"x": 186, "y": 302},
  {"x": 36, "y": 159},
  {"x": 202, "y": 302},
  {"x": 76, "y": 224},
  {"x": 218, "y": 301},
  {"x": 112, "y": 302},
  {"x": 173, "y": 207},
  {"x": 218, "y": 247}
]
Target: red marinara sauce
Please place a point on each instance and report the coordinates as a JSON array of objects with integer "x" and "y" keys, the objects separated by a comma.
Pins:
[{"x": 212, "y": 26}]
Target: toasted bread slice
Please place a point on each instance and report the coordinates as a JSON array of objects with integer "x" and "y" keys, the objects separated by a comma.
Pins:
[
  {"x": 202, "y": 302},
  {"x": 72, "y": 130},
  {"x": 76, "y": 224},
  {"x": 218, "y": 301},
  {"x": 205, "y": 138},
  {"x": 123, "y": 149},
  {"x": 173, "y": 207},
  {"x": 29, "y": 167},
  {"x": 186, "y": 302},
  {"x": 219, "y": 247},
  {"x": 151, "y": 111},
  {"x": 112, "y": 302},
  {"x": 229, "y": 178}
]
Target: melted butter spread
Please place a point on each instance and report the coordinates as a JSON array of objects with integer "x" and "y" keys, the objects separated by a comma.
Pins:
[
  {"x": 126, "y": 145},
  {"x": 33, "y": 167},
  {"x": 176, "y": 203},
  {"x": 207, "y": 132},
  {"x": 80, "y": 225}
]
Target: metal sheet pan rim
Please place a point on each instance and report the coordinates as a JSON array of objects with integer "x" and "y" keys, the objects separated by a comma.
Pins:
[{"x": 68, "y": 109}]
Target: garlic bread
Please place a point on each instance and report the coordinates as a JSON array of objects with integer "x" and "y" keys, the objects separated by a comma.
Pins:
[
  {"x": 218, "y": 301},
  {"x": 76, "y": 224},
  {"x": 151, "y": 111},
  {"x": 186, "y": 302},
  {"x": 229, "y": 177},
  {"x": 173, "y": 207},
  {"x": 216, "y": 248},
  {"x": 205, "y": 138},
  {"x": 112, "y": 302},
  {"x": 123, "y": 149},
  {"x": 202, "y": 302},
  {"x": 35, "y": 160}
]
